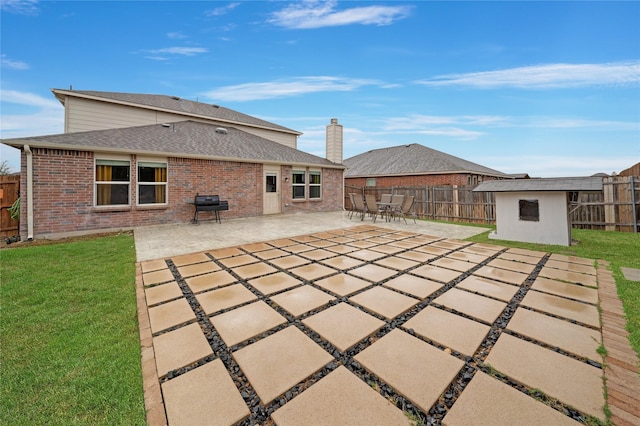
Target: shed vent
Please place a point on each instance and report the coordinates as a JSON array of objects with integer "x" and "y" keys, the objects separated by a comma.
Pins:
[{"x": 221, "y": 130}]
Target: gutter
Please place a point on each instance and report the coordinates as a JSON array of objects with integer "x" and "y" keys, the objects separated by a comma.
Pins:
[{"x": 27, "y": 151}]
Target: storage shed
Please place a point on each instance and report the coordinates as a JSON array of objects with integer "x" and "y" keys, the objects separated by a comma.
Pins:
[{"x": 536, "y": 210}]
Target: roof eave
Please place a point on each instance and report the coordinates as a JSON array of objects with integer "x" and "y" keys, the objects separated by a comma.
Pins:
[{"x": 428, "y": 173}]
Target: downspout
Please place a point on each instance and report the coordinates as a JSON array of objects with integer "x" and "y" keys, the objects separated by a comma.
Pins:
[{"x": 27, "y": 151}]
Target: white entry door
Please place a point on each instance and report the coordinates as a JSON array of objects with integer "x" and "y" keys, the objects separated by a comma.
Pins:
[{"x": 271, "y": 199}]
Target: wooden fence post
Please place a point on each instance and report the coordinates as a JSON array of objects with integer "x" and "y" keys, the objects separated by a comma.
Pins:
[{"x": 609, "y": 204}]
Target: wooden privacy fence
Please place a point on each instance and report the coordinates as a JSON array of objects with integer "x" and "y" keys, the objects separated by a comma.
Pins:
[
  {"x": 9, "y": 193},
  {"x": 616, "y": 208}
]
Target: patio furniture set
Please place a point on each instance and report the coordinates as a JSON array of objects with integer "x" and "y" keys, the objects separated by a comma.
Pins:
[{"x": 389, "y": 207}]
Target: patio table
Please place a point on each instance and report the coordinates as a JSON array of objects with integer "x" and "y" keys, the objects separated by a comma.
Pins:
[{"x": 387, "y": 209}]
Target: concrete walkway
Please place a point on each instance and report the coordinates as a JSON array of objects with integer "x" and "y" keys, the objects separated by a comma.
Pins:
[{"x": 360, "y": 324}]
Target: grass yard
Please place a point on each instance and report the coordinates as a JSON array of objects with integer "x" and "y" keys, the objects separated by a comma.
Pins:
[
  {"x": 620, "y": 249},
  {"x": 70, "y": 348}
]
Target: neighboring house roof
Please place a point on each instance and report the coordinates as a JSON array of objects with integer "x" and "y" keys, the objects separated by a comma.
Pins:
[
  {"x": 187, "y": 139},
  {"x": 584, "y": 184},
  {"x": 413, "y": 159},
  {"x": 631, "y": 171},
  {"x": 174, "y": 104}
]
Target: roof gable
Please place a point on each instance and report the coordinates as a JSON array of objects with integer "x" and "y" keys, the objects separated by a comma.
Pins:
[
  {"x": 413, "y": 159},
  {"x": 189, "y": 139},
  {"x": 174, "y": 104}
]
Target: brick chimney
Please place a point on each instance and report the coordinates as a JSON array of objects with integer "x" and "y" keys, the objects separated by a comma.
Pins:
[{"x": 334, "y": 141}]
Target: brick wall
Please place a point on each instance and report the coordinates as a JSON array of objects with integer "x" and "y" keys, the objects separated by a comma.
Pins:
[{"x": 64, "y": 193}]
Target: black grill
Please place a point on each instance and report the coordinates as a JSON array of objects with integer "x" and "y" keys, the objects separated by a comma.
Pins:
[{"x": 209, "y": 203}]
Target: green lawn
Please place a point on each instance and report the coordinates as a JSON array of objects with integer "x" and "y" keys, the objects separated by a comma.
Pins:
[
  {"x": 70, "y": 348},
  {"x": 620, "y": 249}
]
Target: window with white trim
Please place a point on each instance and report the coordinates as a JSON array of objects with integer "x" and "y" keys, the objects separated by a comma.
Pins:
[
  {"x": 112, "y": 182},
  {"x": 315, "y": 184},
  {"x": 152, "y": 182},
  {"x": 298, "y": 183}
]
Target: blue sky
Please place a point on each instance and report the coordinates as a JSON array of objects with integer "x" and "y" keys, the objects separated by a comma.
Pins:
[{"x": 546, "y": 88}]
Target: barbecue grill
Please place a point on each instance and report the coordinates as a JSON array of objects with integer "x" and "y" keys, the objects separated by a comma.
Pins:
[{"x": 208, "y": 203}]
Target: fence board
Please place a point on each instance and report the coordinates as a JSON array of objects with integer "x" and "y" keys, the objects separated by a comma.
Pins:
[{"x": 9, "y": 193}]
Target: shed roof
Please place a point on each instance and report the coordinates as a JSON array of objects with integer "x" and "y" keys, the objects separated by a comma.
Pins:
[
  {"x": 584, "y": 184},
  {"x": 413, "y": 159},
  {"x": 188, "y": 139},
  {"x": 174, "y": 104}
]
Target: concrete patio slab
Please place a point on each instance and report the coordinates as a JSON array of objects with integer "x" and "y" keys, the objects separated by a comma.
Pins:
[
  {"x": 274, "y": 283},
  {"x": 418, "y": 256},
  {"x": 189, "y": 259},
  {"x": 302, "y": 300},
  {"x": 418, "y": 287},
  {"x": 489, "y": 287},
  {"x": 254, "y": 270},
  {"x": 226, "y": 252},
  {"x": 318, "y": 254},
  {"x": 467, "y": 257},
  {"x": 367, "y": 255},
  {"x": 414, "y": 368},
  {"x": 572, "y": 259},
  {"x": 343, "y": 325},
  {"x": 198, "y": 269},
  {"x": 224, "y": 298},
  {"x": 373, "y": 273},
  {"x": 246, "y": 322},
  {"x": 202, "y": 395},
  {"x": 510, "y": 265},
  {"x": 157, "y": 277},
  {"x": 507, "y": 255},
  {"x": 572, "y": 277},
  {"x": 526, "y": 252},
  {"x": 436, "y": 273},
  {"x": 342, "y": 262},
  {"x": 170, "y": 314},
  {"x": 290, "y": 261},
  {"x": 455, "y": 264},
  {"x": 471, "y": 304},
  {"x": 571, "y": 381},
  {"x": 431, "y": 249},
  {"x": 243, "y": 259},
  {"x": 573, "y": 338},
  {"x": 450, "y": 330},
  {"x": 342, "y": 284},
  {"x": 578, "y": 311},
  {"x": 571, "y": 291},
  {"x": 571, "y": 267},
  {"x": 179, "y": 347},
  {"x": 487, "y": 401},
  {"x": 278, "y": 362},
  {"x": 384, "y": 302},
  {"x": 209, "y": 281},
  {"x": 499, "y": 274},
  {"x": 153, "y": 265},
  {"x": 162, "y": 293},
  {"x": 312, "y": 271},
  {"x": 340, "y": 398},
  {"x": 271, "y": 254},
  {"x": 632, "y": 274}
]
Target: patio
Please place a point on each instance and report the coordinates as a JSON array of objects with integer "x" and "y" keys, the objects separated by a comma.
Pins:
[{"x": 366, "y": 324}]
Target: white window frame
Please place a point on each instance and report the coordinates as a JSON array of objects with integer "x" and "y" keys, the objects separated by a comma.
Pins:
[
  {"x": 295, "y": 185},
  {"x": 315, "y": 185},
  {"x": 150, "y": 161},
  {"x": 96, "y": 184}
]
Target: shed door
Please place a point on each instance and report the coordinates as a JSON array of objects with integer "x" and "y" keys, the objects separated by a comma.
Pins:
[{"x": 271, "y": 199}]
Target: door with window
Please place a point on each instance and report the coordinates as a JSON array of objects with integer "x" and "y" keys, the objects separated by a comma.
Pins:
[{"x": 271, "y": 199}]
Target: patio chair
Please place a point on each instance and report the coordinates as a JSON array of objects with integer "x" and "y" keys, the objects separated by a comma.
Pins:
[
  {"x": 358, "y": 205},
  {"x": 382, "y": 209},
  {"x": 353, "y": 208},
  {"x": 371, "y": 206},
  {"x": 405, "y": 209}
]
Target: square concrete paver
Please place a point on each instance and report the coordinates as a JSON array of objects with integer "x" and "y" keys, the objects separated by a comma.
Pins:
[
  {"x": 246, "y": 322},
  {"x": 398, "y": 263},
  {"x": 487, "y": 401},
  {"x": 342, "y": 284},
  {"x": 342, "y": 262},
  {"x": 450, "y": 330},
  {"x": 162, "y": 293},
  {"x": 189, "y": 259},
  {"x": 180, "y": 347},
  {"x": 526, "y": 252},
  {"x": 198, "y": 269},
  {"x": 243, "y": 259},
  {"x": 256, "y": 247},
  {"x": 282, "y": 242},
  {"x": 572, "y": 291},
  {"x": 385, "y": 302},
  {"x": 170, "y": 314},
  {"x": 209, "y": 281},
  {"x": 455, "y": 264},
  {"x": 223, "y": 298},
  {"x": 573, "y": 338},
  {"x": 153, "y": 265},
  {"x": 387, "y": 249},
  {"x": 270, "y": 254},
  {"x": 289, "y": 261},
  {"x": 318, "y": 254},
  {"x": 205, "y": 395},
  {"x": 429, "y": 249},
  {"x": 340, "y": 398},
  {"x": 519, "y": 258},
  {"x": 313, "y": 271},
  {"x": 581, "y": 312},
  {"x": 572, "y": 277},
  {"x": 254, "y": 270},
  {"x": 436, "y": 273},
  {"x": 416, "y": 286},
  {"x": 157, "y": 277},
  {"x": 275, "y": 282},
  {"x": 471, "y": 304},
  {"x": 499, "y": 274},
  {"x": 412, "y": 367},
  {"x": 342, "y": 249},
  {"x": 298, "y": 248},
  {"x": 489, "y": 287},
  {"x": 278, "y": 362},
  {"x": 418, "y": 256},
  {"x": 571, "y": 267},
  {"x": 572, "y": 382},
  {"x": 226, "y": 252},
  {"x": 510, "y": 265},
  {"x": 343, "y": 325},
  {"x": 571, "y": 259},
  {"x": 468, "y": 257},
  {"x": 367, "y": 255},
  {"x": 302, "y": 299},
  {"x": 373, "y": 272}
]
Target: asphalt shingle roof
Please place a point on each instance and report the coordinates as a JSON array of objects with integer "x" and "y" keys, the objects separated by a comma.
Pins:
[
  {"x": 413, "y": 159},
  {"x": 189, "y": 139},
  {"x": 178, "y": 105},
  {"x": 585, "y": 184}
]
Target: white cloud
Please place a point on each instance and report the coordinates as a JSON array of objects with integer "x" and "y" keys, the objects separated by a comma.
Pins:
[
  {"x": 10, "y": 63},
  {"x": 46, "y": 116},
  {"x": 317, "y": 14},
  {"x": 176, "y": 35},
  {"x": 223, "y": 10},
  {"x": 284, "y": 88},
  {"x": 555, "y": 166},
  {"x": 20, "y": 7},
  {"x": 178, "y": 50},
  {"x": 546, "y": 76}
]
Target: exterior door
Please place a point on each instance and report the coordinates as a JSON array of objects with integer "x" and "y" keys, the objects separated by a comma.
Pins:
[{"x": 271, "y": 201}]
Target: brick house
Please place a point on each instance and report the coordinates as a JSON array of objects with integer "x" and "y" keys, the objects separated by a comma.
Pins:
[
  {"x": 128, "y": 160},
  {"x": 414, "y": 165}
]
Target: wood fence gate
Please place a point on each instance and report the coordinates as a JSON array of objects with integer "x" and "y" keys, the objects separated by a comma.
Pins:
[{"x": 9, "y": 193}]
